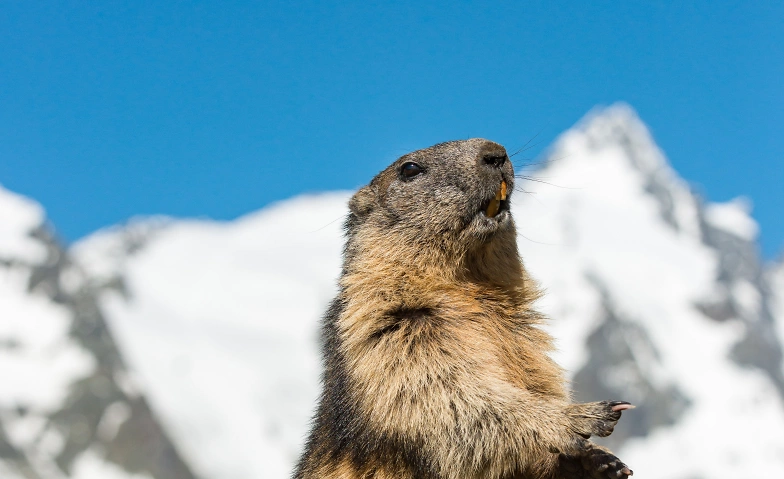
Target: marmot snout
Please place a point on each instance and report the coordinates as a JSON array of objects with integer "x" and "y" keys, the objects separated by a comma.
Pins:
[{"x": 435, "y": 367}]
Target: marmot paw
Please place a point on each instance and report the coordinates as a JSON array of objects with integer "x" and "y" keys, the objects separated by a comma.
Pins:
[
  {"x": 592, "y": 462},
  {"x": 602, "y": 464},
  {"x": 596, "y": 418}
]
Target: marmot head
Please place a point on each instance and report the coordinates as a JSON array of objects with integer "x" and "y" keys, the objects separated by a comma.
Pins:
[{"x": 450, "y": 199}]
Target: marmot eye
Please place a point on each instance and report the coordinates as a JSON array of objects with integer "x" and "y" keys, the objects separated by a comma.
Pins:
[{"x": 410, "y": 169}]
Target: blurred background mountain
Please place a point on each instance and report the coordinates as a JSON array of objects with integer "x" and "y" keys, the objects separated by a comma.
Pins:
[{"x": 171, "y": 348}]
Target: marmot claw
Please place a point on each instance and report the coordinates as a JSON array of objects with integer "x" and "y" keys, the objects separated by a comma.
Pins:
[{"x": 596, "y": 418}]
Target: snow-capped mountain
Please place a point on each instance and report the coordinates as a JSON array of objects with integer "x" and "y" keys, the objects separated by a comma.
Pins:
[
  {"x": 656, "y": 297},
  {"x": 69, "y": 407}
]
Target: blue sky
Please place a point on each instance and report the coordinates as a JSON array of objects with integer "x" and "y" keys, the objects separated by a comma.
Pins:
[{"x": 115, "y": 109}]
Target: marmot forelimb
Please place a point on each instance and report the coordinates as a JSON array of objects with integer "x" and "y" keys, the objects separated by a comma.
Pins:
[{"x": 435, "y": 367}]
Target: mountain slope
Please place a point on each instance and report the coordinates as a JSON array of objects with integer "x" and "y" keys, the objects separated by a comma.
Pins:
[
  {"x": 68, "y": 406},
  {"x": 220, "y": 321}
]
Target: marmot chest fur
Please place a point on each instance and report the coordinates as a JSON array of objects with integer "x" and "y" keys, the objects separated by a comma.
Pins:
[{"x": 435, "y": 367}]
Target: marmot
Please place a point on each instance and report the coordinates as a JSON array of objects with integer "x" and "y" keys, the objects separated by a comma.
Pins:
[{"x": 435, "y": 367}]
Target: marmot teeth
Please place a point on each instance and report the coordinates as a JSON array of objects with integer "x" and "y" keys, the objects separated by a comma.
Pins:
[{"x": 495, "y": 204}]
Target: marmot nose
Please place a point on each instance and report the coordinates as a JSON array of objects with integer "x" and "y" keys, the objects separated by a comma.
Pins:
[{"x": 495, "y": 159}]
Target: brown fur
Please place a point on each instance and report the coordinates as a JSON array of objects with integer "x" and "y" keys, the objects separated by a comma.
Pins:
[{"x": 435, "y": 366}]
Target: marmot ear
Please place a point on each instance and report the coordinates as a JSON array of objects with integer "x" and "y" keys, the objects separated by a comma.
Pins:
[{"x": 363, "y": 201}]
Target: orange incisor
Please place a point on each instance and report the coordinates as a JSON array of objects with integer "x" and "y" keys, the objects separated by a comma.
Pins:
[{"x": 495, "y": 204}]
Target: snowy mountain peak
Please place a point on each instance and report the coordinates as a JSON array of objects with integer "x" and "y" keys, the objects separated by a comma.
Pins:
[
  {"x": 21, "y": 216},
  {"x": 611, "y": 149},
  {"x": 618, "y": 129},
  {"x": 618, "y": 126}
]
